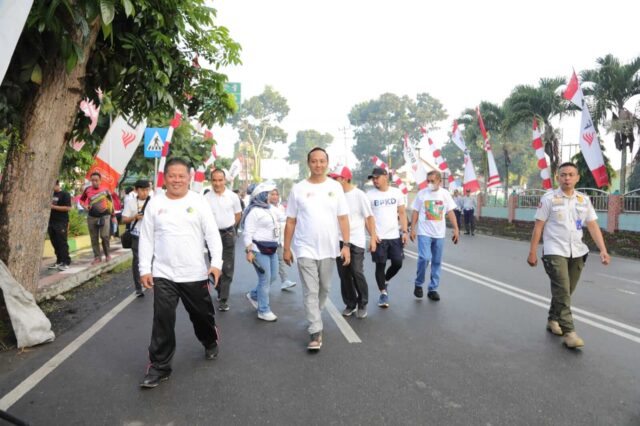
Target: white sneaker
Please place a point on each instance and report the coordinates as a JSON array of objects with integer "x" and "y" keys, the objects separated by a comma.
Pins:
[
  {"x": 54, "y": 266},
  {"x": 267, "y": 316},
  {"x": 287, "y": 285},
  {"x": 254, "y": 303},
  {"x": 63, "y": 267}
]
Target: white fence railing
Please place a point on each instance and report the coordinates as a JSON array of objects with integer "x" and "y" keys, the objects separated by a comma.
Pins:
[{"x": 631, "y": 201}]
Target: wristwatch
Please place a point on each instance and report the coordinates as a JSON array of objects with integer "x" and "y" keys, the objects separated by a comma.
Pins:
[{"x": 346, "y": 244}]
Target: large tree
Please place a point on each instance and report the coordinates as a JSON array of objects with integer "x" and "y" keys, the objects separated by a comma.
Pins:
[
  {"x": 613, "y": 84},
  {"x": 543, "y": 103},
  {"x": 142, "y": 54},
  {"x": 257, "y": 122},
  {"x": 380, "y": 124},
  {"x": 305, "y": 141}
]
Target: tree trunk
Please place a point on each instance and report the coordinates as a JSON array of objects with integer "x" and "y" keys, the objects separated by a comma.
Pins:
[{"x": 33, "y": 164}]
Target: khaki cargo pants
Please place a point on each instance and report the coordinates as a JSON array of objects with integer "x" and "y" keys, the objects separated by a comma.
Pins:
[{"x": 564, "y": 273}]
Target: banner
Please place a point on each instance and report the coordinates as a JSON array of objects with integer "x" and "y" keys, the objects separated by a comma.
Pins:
[
  {"x": 13, "y": 15},
  {"x": 437, "y": 156},
  {"x": 470, "y": 181},
  {"x": 542, "y": 160},
  {"x": 494, "y": 177},
  {"x": 116, "y": 150},
  {"x": 410, "y": 157}
]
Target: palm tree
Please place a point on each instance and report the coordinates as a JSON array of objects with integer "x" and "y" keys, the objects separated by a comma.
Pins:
[
  {"x": 541, "y": 102},
  {"x": 612, "y": 85}
]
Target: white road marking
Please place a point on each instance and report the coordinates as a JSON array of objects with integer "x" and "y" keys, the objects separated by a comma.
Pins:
[
  {"x": 342, "y": 323},
  {"x": 541, "y": 301},
  {"x": 626, "y": 291},
  {"x": 36, "y": 377},
  {"x": 620, "y": 279}
]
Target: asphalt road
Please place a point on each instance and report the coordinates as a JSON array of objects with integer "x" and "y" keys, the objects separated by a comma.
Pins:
[{"x": 480, "y": 356}]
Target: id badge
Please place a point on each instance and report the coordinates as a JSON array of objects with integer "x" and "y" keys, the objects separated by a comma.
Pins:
[
  {"x": 276, "y": 232},
  {"x": 579, "y": 224}
]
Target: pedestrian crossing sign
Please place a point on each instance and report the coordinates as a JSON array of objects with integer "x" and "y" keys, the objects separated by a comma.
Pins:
[{"x": 154, "y": 138}]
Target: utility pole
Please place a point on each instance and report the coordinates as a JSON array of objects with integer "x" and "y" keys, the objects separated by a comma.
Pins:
[{"x": 346, "y": 152}]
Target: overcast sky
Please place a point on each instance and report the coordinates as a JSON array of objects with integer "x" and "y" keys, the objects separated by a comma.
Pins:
[{"x": 325, "y": 57}]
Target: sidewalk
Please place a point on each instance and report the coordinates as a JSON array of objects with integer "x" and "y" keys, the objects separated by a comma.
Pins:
[{"x": 54, "y": 282}]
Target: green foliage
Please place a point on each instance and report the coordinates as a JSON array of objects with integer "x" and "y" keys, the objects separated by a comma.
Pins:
[
  {"x": 380, "y": 124},
  {"x": 305, "y": 141},
  {"x": 77, "y": 223},
  {"x": 257, "y": 123},
  {"x": 142, "y": 61}
]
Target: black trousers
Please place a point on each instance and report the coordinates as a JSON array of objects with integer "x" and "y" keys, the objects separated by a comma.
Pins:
[
  {"x": 469, "y": 221},
  {"x": 135, "y": 267},
  {"x": 58, "y": 237},
  {"x": 353, "y": 284},
  {"x": 228, "y": 238},
  {"x": 197, "y": 301}
]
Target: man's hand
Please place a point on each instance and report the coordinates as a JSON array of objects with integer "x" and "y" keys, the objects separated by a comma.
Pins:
[
  {"x": 250, "y": 256},
  {"x": 532, "y": 260},
  {"x": 287, "y": 256},
  {"x": 373, "y": 245},
  {"x": 413, "y": 234},
  {"x": 605, "y": 258},
  {"x": 456, "y": 236},
  {"x": 405, "y": 238},
  {"x": 146, "y": 280},
  {"x": 345, "y": 254},
  {"x": 216, "y": 275}
]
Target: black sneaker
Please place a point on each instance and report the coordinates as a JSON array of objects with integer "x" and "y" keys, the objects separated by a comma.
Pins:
[
  {"x": 433, "y": 295},
  {"x": 223, "y": 306},
  {"x": 150, "y": 381},
  {"x": 139, "y": 293},
  {"x": 417, "y": 292},
  {"x": 211, "y": 353}
]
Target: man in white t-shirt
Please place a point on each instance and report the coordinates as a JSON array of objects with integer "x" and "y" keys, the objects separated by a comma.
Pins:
[
  {"x": 388, "y": 207},
  {"x": 225, "y": 205},
  {"x": 132, "y": 215},
  {"x": 317, "y": 212},
  {"x": 279, "y": 211},
  {"x": 175, "y": 228},
  {"x": 353, "y": 284},
  {"x": 430, "y": 208}
]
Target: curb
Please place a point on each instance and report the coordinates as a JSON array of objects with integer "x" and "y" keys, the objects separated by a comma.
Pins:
[{"x": 80, "y": 278}]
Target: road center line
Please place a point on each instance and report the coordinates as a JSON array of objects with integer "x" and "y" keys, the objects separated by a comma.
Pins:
[
  {"x": 579, "y": 314},
  {"x": 342, "y": 324},
  {"x": 37, "y": 376},
  {"x": 620, "y": 279}
]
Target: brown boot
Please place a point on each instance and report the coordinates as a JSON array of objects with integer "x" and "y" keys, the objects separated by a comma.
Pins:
[
  {"x": 554, "y": 328},
  {"x": 573, "y": 341}
]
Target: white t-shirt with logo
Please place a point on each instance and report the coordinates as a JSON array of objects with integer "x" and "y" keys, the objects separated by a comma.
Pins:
[
  {"x": 359, "y": 210},
  {"x": 316, "y": 207},
  {"x": 432, "y": 208},
  {"x": 384, "y": 206},
  {"x": 224, "y": 207},
  {"x": 131, "y": 209}
]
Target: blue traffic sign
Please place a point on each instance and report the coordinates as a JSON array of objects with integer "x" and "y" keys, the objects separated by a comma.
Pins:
[{"x": 154, "y": 138}]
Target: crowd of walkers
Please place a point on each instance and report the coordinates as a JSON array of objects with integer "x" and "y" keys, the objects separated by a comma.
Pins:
[{"x": 184, "y": 245}]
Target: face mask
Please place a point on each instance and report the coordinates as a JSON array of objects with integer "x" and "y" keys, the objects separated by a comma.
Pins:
[{"x": 432, "y": 186}]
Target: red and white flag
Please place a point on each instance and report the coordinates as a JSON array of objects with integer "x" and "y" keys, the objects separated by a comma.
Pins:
[
  {"x": 175, "y": 122},
  {"x": 437, "y": 156},
  {"x": 542, "y": 160},
  {"x": 379, "y": 163},
  {"x": 470, "y": 181},
  {"x": 235, "y": 169},
  {"x": 198, "y": 179},
  {"x": 494, "y": 177},
  {"x": 589, "y": 143},
  {"x": 419, "y": 172}
]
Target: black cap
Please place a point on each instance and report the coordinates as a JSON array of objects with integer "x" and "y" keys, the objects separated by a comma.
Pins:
[
  {"x": 377, "y": 171},
  {"x": 142, "y": 184}
]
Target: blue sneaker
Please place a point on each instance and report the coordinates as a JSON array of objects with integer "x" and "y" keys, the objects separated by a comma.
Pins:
[{"x": 383, "y": 301}]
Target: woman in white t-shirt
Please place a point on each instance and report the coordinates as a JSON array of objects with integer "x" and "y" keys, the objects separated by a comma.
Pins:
[{"x": 261, "y": 233}]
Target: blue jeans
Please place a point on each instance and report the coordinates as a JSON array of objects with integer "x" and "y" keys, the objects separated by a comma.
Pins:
[
  {"x": 269, "y": 263},
  {"x": 429, "y": 250}
]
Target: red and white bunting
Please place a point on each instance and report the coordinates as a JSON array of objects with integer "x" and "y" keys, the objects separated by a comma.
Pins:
[
  {"x": 437, "y": 156},
  {"x": 470, "y": 181},
  {"x": 589, "y": 143},
  {"x": 175, "y": 122},
  {"x": 494, "y": 177},
  {"x": 379, "y": 163},
  {"x": 542, "y": 160},
  {"x": 198, "y": 179},
  {"x": 573, "y": 92},
  {"x": 419, "y": 172}
]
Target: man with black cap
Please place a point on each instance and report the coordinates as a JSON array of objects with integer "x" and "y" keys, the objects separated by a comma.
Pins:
[
  {"x": 134, "y": 213},
  {"x": 388, "y": 206}
]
